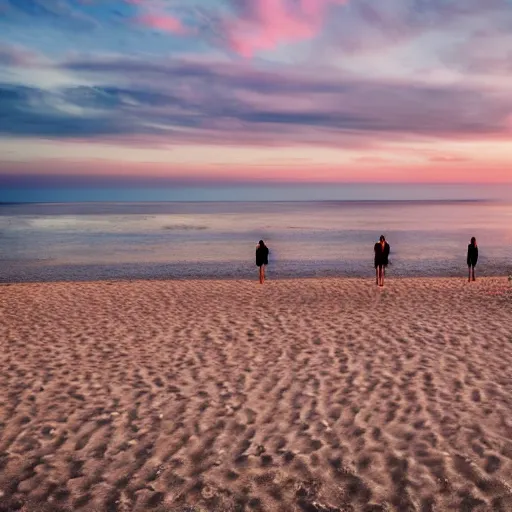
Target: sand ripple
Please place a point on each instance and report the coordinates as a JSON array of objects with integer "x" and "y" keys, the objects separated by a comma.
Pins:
[{"x": 320, "y": 395}]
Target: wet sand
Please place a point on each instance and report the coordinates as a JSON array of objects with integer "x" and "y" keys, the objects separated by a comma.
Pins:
[{"x": 319, "y": 395}]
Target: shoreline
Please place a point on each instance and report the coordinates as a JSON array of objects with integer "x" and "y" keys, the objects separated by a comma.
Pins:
[{"x": 389, "y": 278}]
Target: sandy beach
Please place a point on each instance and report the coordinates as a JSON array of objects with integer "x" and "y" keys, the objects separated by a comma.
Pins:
[{"x": 321, "y": 395}]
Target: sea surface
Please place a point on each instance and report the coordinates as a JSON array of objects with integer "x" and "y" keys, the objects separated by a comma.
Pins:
[{"x": 133, "y": 240}]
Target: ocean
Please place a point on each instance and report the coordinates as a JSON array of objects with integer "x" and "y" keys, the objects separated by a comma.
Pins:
[{"x": 217, "y": 239}]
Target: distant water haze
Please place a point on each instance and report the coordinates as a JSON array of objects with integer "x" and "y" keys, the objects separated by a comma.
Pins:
[
  {"x": 217, "y": 239},
  {"x": 149, "y": 190}
]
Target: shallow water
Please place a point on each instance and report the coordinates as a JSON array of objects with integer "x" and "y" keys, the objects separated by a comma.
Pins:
[{"x": 217, "y": 239}]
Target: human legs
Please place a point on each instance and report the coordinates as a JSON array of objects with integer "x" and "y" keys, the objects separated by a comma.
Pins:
[
  {"x": 473, "y": 272},
  {"x": 262, "y": 274},
  {"x": 380, "y": 275}
]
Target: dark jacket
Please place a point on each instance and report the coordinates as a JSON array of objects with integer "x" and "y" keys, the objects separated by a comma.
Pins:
[
  {"x": 381, "y": 254},
  {"x": 261, "y": 255},
  {"x": 472, "y": 255}
]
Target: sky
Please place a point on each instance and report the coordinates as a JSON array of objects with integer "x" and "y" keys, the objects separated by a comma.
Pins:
[{"x": 257, "y": 90}]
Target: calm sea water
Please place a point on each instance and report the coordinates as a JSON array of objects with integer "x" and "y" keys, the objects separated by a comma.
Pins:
[{"x": 84, "y": 241}]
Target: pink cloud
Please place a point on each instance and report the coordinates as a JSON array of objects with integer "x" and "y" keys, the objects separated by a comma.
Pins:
[
  {"x": 371, "y": 160},
  {"x": 508, "y": 122},
  {"x": 162, "y": 22},
  {"x": 17, "y": 56},
  {"x": 448, "y": 158},
  {"x": 272, "y": 22},
  {"x": 246, "y": 172}
]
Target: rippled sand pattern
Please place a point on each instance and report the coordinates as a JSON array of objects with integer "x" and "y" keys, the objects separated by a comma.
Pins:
[{"x": 309, "y": 395}]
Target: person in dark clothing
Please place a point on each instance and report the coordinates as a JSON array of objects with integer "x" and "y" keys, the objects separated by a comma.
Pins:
[
  {"x": 381, "y": 250},
  {"x": 262, "y": 259},
  {"x": 472, "y": 259}
]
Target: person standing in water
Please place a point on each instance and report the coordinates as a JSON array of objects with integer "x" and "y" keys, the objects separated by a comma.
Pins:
[
  {"x": 262, "y": 259},
  {"x": 472, "y": 259},
  {"x": 381, "y": 250}
]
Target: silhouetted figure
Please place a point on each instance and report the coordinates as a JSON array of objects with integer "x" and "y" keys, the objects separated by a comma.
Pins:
[
  {"x": 381, "y": 250},
  {"x": 262, "y": 259},
  {"x": 472, "y": 259}
]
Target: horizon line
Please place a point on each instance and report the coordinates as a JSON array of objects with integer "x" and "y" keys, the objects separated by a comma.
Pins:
[
  {"x": 21, "y": 203},
  {"x": 63, "y": 181}
]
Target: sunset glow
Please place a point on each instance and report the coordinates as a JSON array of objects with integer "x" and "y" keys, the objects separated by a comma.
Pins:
[{"x": 283, "y": 90}]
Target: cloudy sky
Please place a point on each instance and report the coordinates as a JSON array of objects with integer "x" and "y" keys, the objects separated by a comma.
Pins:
[{"x": 288, "y": 90}]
